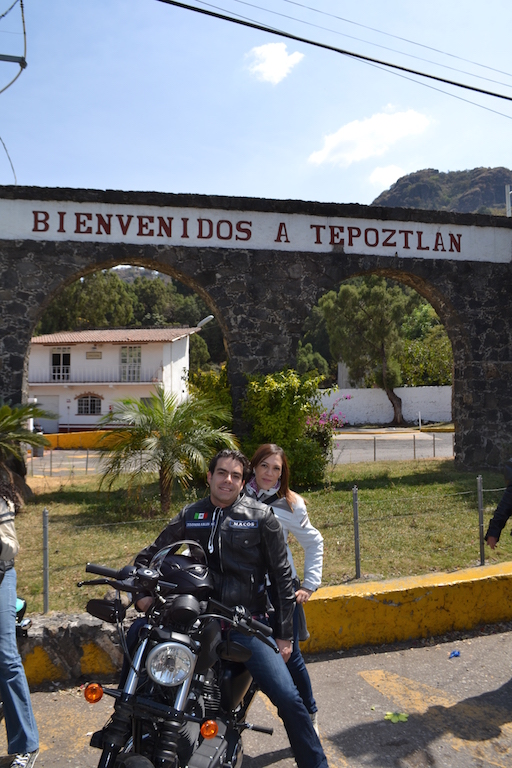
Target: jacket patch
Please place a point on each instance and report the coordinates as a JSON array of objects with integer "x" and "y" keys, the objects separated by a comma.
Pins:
[
  {"x": 198, "y": 524},
  {"x": 243, "y": 523}
]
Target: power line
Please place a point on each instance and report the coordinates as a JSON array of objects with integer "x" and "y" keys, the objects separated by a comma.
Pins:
[
  {"x": 397, "y": 37},
  {"x": 361, "y": 40},
  {"x": 325, "y": 46}
]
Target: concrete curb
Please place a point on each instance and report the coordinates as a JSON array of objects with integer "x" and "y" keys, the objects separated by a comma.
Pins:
[{"x": 69, "y": 649}]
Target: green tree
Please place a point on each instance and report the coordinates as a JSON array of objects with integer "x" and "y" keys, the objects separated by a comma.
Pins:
[
  {"x": 308, "y": 360},
  {"x": 14, "y": 432},
  {"x": 99, "y": 300},
  {"x": 427, "y": 361},
  {"x": 364, "y": 320},
  {"x": 199, "y": 355},
  {"x": 174, "y": 439}
]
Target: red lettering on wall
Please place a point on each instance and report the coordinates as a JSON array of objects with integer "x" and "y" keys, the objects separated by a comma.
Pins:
[
  {"x": 406, "y": 233},
  {"x": 439, "y": 245},
  {"x": 317, "y": 228},
  {"x": 166, "y": 227},
  {"x": 282, "y": 233},
  {"x": 455, "y": 243},
  {"x": 61, "y": 221},
  {"x": 352, "y": 233},
  {"x": 144, "y": 228},
  {"x": 243, "y": 227},
  {"x": 336, "y": 238},
  {"x": 124, "y": 224},
  {"x": 201, "y": 233},
  {"x": 41, "y": 221},
  {"x": 228, "y": 233},
  {"x": 387, "y": 240},
  {"x": 185, "y": 228},
  {"x": 375, "y": 237},
  {"x": 104, "y": 224},
  {"x": 82, "y": 227},
  {"x": 421, "y": 247}
]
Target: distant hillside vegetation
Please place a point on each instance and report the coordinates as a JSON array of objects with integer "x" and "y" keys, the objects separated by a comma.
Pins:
[{"x": 481, "y": 190}]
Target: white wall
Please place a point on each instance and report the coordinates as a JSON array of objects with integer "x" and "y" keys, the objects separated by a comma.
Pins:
[{"x": 371, "y": 406}]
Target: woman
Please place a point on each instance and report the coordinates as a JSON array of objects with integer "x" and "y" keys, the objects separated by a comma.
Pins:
[
  {"x": 22, "y": 735},
  {"x": 270, "y": 484}
]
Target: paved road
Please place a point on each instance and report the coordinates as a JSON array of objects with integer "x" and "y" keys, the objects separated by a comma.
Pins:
[
  {"x": 349, "y": 448},
  {"x": 459, "y": 711}
]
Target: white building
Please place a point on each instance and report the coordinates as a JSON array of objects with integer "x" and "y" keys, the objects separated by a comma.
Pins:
[{"x": 78, "y": 375}]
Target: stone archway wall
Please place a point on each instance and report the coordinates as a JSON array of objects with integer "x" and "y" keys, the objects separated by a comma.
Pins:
[{"x": 262, "y": 294}]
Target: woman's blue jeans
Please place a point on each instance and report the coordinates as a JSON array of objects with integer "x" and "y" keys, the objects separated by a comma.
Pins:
[
  {"x": 272, "y": 676},
  {"x": 22, "y": 735},
  {"x": 297, "y": 668}
]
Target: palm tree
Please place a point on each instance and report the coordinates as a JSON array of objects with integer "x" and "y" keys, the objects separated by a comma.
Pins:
[
  {"x": 174, "y": 439},
  {"x": 14, "y": 432}
]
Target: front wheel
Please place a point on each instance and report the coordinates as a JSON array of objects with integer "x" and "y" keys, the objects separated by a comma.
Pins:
[{"x": 134, "y": 761}]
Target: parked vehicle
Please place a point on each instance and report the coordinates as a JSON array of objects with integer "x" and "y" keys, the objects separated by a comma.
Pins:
[
  {"x": 22, "y": 626},
  {"x": 186, "y": 692}
]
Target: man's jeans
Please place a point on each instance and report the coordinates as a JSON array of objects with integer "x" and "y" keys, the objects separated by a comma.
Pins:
[
  {"x": 22, "y": 735},
  {"x": 272, "y": 676}
]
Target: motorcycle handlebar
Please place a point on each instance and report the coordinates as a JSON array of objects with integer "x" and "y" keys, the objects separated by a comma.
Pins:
[
  {"x": 101, "y": 570},
  {"x": 259, "y": 627}
]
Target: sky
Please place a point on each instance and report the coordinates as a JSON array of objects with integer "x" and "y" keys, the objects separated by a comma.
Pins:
[{"x": 142, "y": 95}]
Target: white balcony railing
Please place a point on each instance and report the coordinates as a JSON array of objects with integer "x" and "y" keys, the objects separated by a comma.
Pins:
[{"x": 115, "y": 375}]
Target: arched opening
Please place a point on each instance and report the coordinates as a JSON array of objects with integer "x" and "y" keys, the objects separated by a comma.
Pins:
[
  {"x": 384, "y": 329},
  {"x": 117, "y": 332}
]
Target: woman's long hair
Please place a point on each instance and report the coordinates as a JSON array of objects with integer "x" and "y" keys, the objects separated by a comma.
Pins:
[{"x": 270, "y": 449}]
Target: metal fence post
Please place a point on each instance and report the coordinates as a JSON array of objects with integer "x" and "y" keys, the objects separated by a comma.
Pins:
[
  {"x": 375, "y": 448},
  {"x": 51, "y": 461},
  {"x": 46, "y": 564},
  {"x": 414, "y": 446},
  {"x": 480, "y": 489},
  {"x": 434, "y": 444},
  {"x": 355, "y": 504},
  {"x": 86, "y": 461}
]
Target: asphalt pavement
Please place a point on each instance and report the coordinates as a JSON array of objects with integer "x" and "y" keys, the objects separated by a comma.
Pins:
[
  {"x": 454, "y": 697},
  {"x": 350, "y": 447}
]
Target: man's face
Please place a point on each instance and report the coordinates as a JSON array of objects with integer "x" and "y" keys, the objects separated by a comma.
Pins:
[{"x": 226, "y": 482}]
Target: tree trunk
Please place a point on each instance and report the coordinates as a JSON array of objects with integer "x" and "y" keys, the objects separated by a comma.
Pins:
[{"x": 396, "y": 402}]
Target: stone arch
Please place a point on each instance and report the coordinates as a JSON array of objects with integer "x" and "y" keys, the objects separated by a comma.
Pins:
[{"x": 260, "y": 265}]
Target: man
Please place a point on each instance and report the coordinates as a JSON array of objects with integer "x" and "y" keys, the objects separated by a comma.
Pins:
[{"x": 243, "y": 542}]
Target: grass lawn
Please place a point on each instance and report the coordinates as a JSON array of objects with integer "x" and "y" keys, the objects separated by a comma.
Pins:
[{"x": 414, "y": 517}]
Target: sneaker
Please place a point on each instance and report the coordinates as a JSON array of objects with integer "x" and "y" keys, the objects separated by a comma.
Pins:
[
  {"x": 26, "y": 760},
  {"x": 314, "y": 722}
]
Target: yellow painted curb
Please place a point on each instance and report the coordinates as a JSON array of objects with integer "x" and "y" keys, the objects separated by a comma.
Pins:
[
  {"x": 421, "y": 606},
  {"x": 39, "y": 668}
]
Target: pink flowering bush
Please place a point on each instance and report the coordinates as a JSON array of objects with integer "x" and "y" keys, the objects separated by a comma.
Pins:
[{"x": 321, "y": 425}]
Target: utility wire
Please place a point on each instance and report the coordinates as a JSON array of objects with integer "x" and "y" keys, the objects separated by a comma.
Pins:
[
  {"x": 19, "y": 73},
  {"x": 325, "y": 46},
  {"x": 367, "y": 42},
  {"x": 397, "y": 37}
]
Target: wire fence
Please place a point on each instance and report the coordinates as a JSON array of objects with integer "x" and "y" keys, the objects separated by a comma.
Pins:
[{"x": 417, "y": 505}]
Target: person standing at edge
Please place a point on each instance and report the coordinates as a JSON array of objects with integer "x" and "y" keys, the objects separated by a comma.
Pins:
[
  {"x": 270, "y": 484},
  {"x": 244, "y": 544},
  {"x": 503, "y": 510},
  {"x": 22, "y": 734}
]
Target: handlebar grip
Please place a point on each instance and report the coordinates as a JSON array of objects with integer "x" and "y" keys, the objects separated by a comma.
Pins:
[
  {"x": 259, "y": 627},
  {"x": 101, "y": 570}
]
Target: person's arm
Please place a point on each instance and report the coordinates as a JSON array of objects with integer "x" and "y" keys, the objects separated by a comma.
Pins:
[
  {"x": 312, "y": 543},
  {"x": 8, "y": 539},
  {"x": 500, "y": 517}
]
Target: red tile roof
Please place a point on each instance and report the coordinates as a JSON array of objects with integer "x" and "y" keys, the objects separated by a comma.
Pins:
[{"x": 115, "y": 336}]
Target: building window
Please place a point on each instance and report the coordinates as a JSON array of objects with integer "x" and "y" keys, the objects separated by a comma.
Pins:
[
  {"x": 89, "y": 405},
  {"x": 130, "y": 363},
  {"x": 61, "y": 363}
]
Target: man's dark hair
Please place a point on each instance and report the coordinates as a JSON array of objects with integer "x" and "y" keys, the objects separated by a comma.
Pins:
[{"x": 228, "y": 453}]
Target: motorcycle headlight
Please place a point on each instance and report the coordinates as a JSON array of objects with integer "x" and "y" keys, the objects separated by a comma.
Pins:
[{"x": 170, "y": 663}]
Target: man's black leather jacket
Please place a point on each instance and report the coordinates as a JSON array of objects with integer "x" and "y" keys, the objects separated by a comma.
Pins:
[{"x": 243, "y": 543}]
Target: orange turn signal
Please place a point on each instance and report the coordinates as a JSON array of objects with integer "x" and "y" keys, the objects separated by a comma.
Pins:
[
  {"x": 93, "y": 692},
  {"x": 209, "y": 729}
]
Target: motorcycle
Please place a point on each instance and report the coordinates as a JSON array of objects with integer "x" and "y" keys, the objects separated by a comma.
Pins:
[
  {"x": 22, "y": 626},
  {"x": 185, "y": 692}
]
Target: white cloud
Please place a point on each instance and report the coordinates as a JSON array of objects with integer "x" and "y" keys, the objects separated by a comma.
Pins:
[
  {"x": 272, "y": 63},
  {"x": 371, "y": 137},
  {"x": 385, "y": 177}
]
